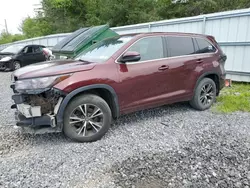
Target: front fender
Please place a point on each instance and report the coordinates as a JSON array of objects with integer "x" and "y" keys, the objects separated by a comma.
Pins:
[{"x": 69, "y": 96}]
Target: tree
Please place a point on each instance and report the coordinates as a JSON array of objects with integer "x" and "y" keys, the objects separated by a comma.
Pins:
[
  {"x": 167, "y": 9},
  {"x": 8, "y": 38},
  {"x": 125, "y": 12},
  {"x": 64, "y": 15},
  {"x": 34, "y": 27}
]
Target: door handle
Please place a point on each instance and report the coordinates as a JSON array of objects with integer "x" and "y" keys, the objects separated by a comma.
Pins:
[
  {"x": 163, "y": 67},
  {"x": 199, "y": 61}
]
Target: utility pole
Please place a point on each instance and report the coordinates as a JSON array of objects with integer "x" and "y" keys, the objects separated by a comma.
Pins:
[{"x": 6, "y": 28}]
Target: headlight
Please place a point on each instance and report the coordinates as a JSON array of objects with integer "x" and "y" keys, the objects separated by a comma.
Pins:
[
  {"x": 39, "y": 83},
  {"x": 5, "y": 59}
]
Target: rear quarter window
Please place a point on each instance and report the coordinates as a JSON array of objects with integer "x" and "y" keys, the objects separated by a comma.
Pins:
[
  {"x": 204, "y": 46},
  {"x": 180, "y": 46},
  {"x": 37, "y": 49}
]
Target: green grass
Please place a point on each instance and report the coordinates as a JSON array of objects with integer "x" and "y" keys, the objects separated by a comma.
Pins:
[{"x": 234, "y": 98}]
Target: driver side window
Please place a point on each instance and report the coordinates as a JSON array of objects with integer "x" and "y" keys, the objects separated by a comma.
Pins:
[
  {"x": 150, "y": 48},
  {"x": 28, "y": 50}
]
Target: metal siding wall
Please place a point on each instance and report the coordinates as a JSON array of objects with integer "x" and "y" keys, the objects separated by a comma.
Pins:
[
  {"x": 187, "y": 27},
  {"x": 48, "y": 41},
  {"x": 140, "y": 30},
  {"x": 234, "y": 29},
  {"x": 52, "y": 41},
  {"x": 238, "y": 58},
  {"x": 42, "y": 42},
  {"x": 246, "y": 59}
]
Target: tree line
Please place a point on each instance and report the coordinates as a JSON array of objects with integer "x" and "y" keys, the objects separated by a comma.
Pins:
[{"x": 60, "y": 16}]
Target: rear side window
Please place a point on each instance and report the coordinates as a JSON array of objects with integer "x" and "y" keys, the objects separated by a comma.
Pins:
[
  {"x": 179, "y": 46},
  {"x": 204, "y": 46},
  {"x": 37, "y": 49},
  {"x": 149, "y": 48}
]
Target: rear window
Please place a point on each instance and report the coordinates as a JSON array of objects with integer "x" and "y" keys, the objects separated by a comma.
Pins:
[
  {"x": 204, "y": 46},
  {"x": 179, "y": 46},
  {"x": 37, "y": 49}
]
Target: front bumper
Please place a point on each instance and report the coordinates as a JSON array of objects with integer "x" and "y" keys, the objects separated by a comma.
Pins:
[
  {"x": 33, "y": 122},
  {"x": 31, "y": 115},
  {"x": 6, "y": 65}
]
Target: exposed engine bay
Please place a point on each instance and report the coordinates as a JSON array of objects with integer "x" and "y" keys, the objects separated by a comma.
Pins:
[
  {"x": 37, "y": 109},
  {"x": 47, "y": 101}
]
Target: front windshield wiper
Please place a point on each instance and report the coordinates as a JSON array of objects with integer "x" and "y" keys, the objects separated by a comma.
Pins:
[{"x": 85, "y": 61}]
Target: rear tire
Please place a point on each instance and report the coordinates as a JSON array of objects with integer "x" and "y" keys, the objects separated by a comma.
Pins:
[
  {"x": 87, "y": 118},
  {"x": 205, "y": 95}
]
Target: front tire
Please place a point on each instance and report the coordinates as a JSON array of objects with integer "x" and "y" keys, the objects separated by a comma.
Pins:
[
  {"x": 16, "y": 65},
  {"x": 205, "y": 94},
  {"x": 87, "y": 118}
]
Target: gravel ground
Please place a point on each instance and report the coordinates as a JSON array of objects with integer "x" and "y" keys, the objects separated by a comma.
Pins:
[{"x": 171, "y": 146}]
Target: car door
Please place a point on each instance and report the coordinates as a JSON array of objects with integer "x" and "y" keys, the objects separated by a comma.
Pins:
[
  {"x": 182, "y": 62},
  {"x": 144, "y": 83},
  {"x": 27, "y": 55},
  {"x": 38, "y": 54}
]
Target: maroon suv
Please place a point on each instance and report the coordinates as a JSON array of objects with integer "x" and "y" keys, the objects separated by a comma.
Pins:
[{"x": 116, "y": 76}]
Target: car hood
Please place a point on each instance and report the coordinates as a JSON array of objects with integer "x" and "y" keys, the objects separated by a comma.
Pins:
[
  {"x": 51, "y": 68},
  {"x": 5, "y": 54}
]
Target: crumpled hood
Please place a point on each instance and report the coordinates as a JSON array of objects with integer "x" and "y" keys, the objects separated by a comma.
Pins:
[
  {"x": 51, "y": 68},
  {"x": 5, "y": 54}
]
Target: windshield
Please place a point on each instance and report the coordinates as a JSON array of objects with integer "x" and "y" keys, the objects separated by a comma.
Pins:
[
  {"x": 103, "y": 50},
  {"x": 13, "y": 49}
]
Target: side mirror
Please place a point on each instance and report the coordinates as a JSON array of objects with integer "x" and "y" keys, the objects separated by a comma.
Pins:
[
  {"x": 22, "y": 52},
  {"x": 130, "y": 56}
]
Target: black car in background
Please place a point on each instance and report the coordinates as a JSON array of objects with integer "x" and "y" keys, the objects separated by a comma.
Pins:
[{"x": 16, "y": 56}]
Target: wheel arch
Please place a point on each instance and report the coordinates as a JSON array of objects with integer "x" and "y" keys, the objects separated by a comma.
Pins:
[
  {"x": 16, "y": 60},
  {"x": 212, "y": 75},
  {"x": 102, "y": 90}
]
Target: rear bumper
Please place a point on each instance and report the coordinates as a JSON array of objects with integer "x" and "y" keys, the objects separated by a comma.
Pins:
[
  {"x": 221, "y": 85},
  {"x": 222, "y": 81}
]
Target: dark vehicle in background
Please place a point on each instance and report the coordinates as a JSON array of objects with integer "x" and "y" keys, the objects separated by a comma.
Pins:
[
  {"x": 117, "y": 76},
  {"x": 16, "y": 56}
]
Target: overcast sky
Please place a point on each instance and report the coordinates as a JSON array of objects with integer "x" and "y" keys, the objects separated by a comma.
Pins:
[{"x": 14, "y": 11}]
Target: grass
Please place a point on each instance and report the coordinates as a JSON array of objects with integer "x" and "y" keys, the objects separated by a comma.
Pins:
[{"x": 234, "y": 98}]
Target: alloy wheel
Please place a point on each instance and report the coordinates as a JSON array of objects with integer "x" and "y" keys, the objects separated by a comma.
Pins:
[
  {"x": 86, "y": 119},
  {"x": 207, "y": 94},
  {"x": 17, "y": 65}
]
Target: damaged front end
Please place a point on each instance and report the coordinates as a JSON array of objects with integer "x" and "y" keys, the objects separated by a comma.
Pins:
[{"x": 36, "y": 108}]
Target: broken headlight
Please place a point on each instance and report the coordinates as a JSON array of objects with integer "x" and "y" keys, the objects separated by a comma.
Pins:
[{"x": 39, "y": 83}]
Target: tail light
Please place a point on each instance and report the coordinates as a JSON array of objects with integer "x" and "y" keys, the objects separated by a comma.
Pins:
[
  {"x": 215, "y": 43},
  {"x": 223, "y": 57}
]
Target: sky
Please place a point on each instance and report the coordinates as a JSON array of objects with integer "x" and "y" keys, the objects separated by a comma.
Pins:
[{"x": 14, "y": 11}]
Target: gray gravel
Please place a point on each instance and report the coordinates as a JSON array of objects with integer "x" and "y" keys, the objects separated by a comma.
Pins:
[{"x": 171, "y": 146}]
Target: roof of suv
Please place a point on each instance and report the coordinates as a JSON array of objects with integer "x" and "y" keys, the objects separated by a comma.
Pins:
[{"x": 164, "y": 33}]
